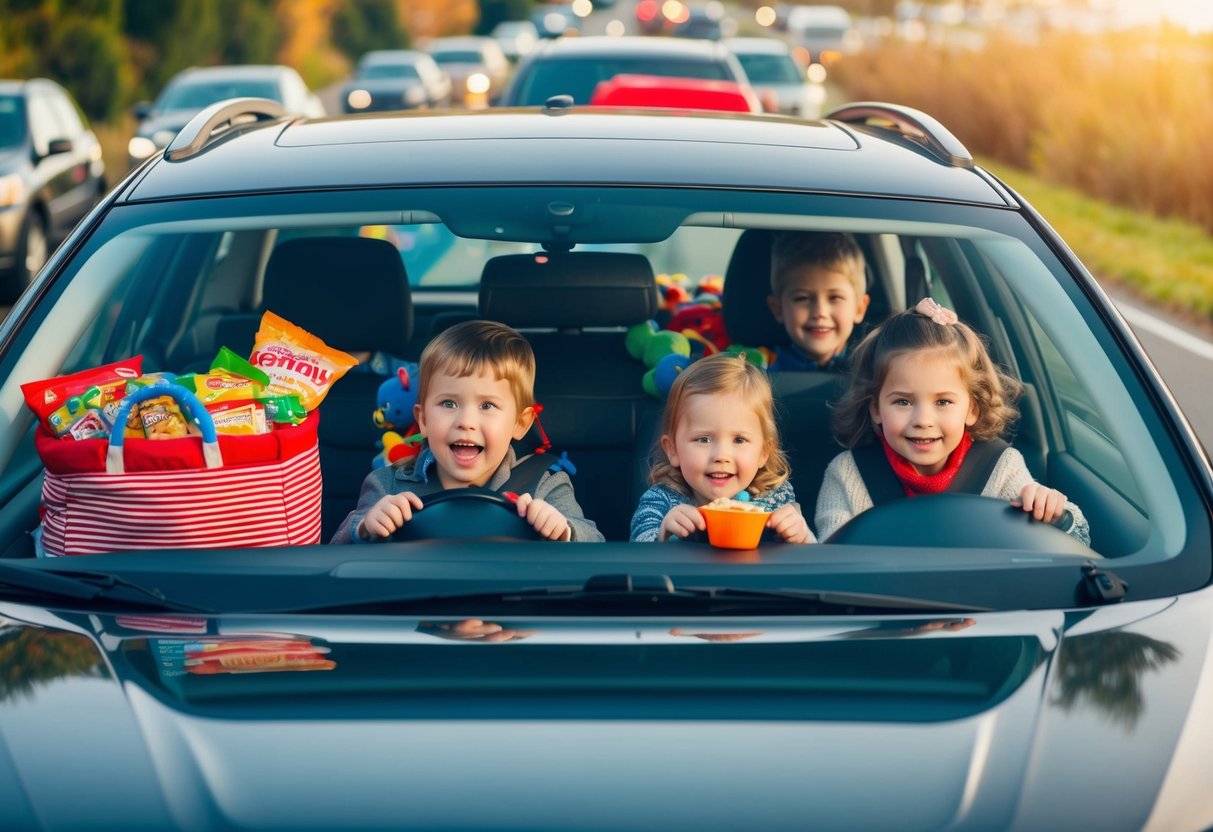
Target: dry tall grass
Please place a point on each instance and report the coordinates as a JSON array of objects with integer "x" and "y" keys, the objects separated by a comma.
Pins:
[{"x": 1120, "y": 118}]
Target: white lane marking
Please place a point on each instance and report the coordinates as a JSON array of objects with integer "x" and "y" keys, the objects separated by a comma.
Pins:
[{"x": 1143, "y": 320}]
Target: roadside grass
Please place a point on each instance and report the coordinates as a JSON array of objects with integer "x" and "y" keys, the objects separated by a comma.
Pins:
[{"x": 1167, "y": 262}]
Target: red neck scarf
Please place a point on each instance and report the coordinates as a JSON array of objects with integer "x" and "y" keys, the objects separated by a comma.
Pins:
[{"x": 916, "y": 483}]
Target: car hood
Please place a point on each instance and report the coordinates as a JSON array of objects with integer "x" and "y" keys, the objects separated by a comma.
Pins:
[
  {"x": 1022, "y": 720},
  {"x": 11, "y": 158}
]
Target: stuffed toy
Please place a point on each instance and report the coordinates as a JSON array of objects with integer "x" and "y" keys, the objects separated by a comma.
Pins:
[{"x": 395, "y": 399}]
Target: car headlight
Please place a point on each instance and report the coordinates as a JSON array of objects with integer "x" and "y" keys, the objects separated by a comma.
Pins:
[
  {"x": 140, "y": 147},
  {"x": 478, "y": 83},
  {"x": 358, "y": 99},
  {"x": 12, "y": 190}
]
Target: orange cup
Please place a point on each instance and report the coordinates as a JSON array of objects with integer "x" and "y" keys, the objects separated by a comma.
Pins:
[{"x": 734, "y": 528}]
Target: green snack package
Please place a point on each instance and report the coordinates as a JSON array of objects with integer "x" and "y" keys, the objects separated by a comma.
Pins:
[
  {"x": 230, "y": 362},
  {"x": 283, "y": 410}
]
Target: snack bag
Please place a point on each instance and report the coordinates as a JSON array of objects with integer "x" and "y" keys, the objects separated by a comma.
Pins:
[
  {"x": 162, "y": 418},
  {"x": 50, "y": 397},
  {"x": 297, "y": 361},
  {"x": 238, "y": 418}
]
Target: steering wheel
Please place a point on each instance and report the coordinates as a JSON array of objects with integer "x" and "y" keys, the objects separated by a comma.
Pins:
[
  {"x": 954, "y": 521},
  {"x": 466, "y": 512}
]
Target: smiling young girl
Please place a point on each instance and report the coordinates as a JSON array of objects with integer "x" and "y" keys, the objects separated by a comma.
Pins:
[
  {"x": 718, "y": 439},
  {"x": 927, "y": 400}
]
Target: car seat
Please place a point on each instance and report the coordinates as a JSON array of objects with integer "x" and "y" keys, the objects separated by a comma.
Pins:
[
  {"x": 353, "y": 293},
  {"x": 802, "y": 399},
  {"x": 574, "y": 308}
]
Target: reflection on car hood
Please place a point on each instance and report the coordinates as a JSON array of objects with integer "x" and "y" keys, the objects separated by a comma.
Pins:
[
  {"x": 10, "y": 158},
  {"x": 997, "y": 721}
]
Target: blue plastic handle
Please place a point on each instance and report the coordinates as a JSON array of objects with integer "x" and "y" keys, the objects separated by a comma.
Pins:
[{"x": 193, "y": 407}]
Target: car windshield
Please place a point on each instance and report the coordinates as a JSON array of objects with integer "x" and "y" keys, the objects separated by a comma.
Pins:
[
  {"x": 407, "y": 71},
  {"x": 194, "y": 95},
  {"x": 770, "y": 69},
  {"x": 578, "y": 77},
  {"x": 458, "y": 56},
  {"x": 12, "y": 121}
]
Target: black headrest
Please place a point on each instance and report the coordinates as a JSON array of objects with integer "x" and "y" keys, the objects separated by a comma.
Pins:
[
  {"x": 574, "y": 289},
  {"x": 352, "y": 292},
  {"x": 747, "y": 282}
]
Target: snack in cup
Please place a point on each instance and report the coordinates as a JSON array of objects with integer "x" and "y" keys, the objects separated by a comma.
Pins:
[{"x": 734, "y": 524}]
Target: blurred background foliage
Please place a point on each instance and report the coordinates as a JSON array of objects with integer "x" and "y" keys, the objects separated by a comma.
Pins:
[
  {"x": 112, "y": 53},
  {"x": 1118, "y": 116}
]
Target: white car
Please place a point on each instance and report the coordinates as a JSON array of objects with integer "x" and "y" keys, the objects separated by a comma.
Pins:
[{"x": 775, "y": 73}]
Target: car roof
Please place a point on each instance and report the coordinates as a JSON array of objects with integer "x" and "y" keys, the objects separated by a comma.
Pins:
[
  {"x": 606, "y": 45},
  {"x": 18, "y": 86},
  {"x": 630, "y": 147},
  {"x": 392, "y": 56},
  {"x": 237, "y": 71}
]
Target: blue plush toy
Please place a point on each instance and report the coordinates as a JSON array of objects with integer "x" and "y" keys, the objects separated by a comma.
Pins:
[{"x": 395, "y": 400}]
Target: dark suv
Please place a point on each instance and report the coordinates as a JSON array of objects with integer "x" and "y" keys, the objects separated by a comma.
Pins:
[
  {"x": 51, "y": 174},
  {"x": 941, "y": 661}
]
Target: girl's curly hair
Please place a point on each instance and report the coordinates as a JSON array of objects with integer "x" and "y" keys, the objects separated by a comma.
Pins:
[
  {"x": 715, "y": 375},
  {"x": 994, "y": 392}
]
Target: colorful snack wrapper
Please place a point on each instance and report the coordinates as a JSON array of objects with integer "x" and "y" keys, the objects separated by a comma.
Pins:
[
  {"x": 48, "y": 396},
  {"x": 222, "y": 386},
  {"x": 297, "y": 361},
  {"x": 162, "y": 418},
  {"x": 283, "y": 410},
  {"x": 229, "y": 362},
  {"x": 246, "y": 418}
]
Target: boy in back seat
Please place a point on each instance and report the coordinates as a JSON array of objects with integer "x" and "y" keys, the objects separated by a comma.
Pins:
[{"x": 819, "y": 294}]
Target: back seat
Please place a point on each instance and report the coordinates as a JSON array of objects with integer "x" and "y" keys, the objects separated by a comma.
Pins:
[
  {"x": 802, "y": 399},
  {"x": 574, "y": 308}
]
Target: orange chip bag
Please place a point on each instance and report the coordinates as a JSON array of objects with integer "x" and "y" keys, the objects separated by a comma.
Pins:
[{"x": 297, "y": 361}]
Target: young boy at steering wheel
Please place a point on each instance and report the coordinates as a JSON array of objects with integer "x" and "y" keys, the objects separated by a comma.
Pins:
[{"x": 475, "y": 396}]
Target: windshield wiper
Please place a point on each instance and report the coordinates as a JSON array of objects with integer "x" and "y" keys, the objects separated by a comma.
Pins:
[
  {"x": 82, "y": 585},
  {"x": 626, "y": 594}
]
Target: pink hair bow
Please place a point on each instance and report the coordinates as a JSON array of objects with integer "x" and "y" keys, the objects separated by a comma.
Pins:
[{"x": 929, "y": 308}]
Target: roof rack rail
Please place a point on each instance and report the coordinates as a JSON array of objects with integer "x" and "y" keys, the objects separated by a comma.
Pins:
[
  {"x": 218, "y": 120},
  {"x": 915, "y": 125}
]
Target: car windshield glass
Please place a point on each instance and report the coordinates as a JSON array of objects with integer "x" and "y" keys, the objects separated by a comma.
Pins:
[
  {"x": 770, "y": 69},
  {"x": 407, "y": 71},
  {"x": 174, "y": 283},
  {"x": 458, "y": 56},
  {"x": 578, "y": 78},
  {"x": 12, "y": 121},
  {"x": 194, "y": 95}
]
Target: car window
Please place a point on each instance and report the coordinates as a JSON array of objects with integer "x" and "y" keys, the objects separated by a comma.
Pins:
[
  {"x": 67, "y": 116},
  {"x": 390, "y": 71},
  {"x": 578, "y": 78},
  {"x": 458, "y": 56},
  {"x": 12, "y": 121},
  {"x": 770, "y": 69},
  {"x": 42, "y": 122},
  {"x": 188, "y": 95}
]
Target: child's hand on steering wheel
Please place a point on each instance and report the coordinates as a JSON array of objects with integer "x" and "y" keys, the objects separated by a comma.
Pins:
[
  {"x": 389, "y": 514},
  {"x": 544, "y": 518}
]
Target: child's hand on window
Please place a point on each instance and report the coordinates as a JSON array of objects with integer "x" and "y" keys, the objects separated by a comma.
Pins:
[
  {"x": 682, "y": 521},
  {"x": 787, "y": 522},
  {"x": 1047, "y": 504},
  {"x": 544, "y": 518},
  {"x": 389, "y": 514}
]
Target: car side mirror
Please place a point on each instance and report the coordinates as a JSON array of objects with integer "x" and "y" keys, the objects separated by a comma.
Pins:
[
  {"x": 57, "y": 146},
  {"x": 142, "y": 110}
]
